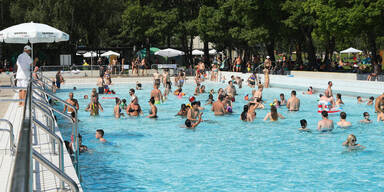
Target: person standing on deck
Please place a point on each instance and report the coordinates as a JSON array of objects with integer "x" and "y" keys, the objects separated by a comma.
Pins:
[{"x": 23, "y": 74}]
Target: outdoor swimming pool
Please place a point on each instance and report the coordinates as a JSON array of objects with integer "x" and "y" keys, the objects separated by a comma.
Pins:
[{"x": 225, "y": 154}]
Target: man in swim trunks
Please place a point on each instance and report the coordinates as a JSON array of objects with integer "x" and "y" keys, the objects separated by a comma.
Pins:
[
  {"x": 156, "y": 93},
  {"x": 71, "y": 101},
  {"x": 325, "y": 124},
  {"x": 328, "y": 91},
  {"x": 343, "y": 122},
  {"x": 100, "y": 84},
  {"x": 379, "y": 104},
  {"x": 218, "y": 106},
  {"x": 293, "y": 103}
]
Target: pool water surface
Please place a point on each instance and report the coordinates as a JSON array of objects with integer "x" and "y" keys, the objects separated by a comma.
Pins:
[{"x": 224, "y": 153}]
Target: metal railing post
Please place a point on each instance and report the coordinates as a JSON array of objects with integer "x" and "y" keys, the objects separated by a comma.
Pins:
[{"x": 11, "y": 136}]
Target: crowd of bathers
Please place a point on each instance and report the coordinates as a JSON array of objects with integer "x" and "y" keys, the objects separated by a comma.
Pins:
[{"x": 223, "y": 103}]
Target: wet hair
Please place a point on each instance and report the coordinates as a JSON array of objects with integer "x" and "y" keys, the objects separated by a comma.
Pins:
[
  {"x": 221, "y": 97},
  {"x": 101, "y": 132},
  {"x": 324, "y": 113},
  {"x": 338, "y": 96},
  {"x": 229, "y": 82},
  {"x": 152, "y": 100},
  {"x": 132, "y": 90},
  {"x": 365, "y": 114},
  {"x": 372, "y": 98},
  {"x": 274, "y": 114},
  {"x": 293, "y": 92},
  {"x": 188, "y": 123},
  {"x": 303, "y": 123},
  {"x": 124, "y": 100},
  {"x": 329, "y": 82},
  {"x": 320, "y": 95},
  {"x": 194, "y": 103},
  {"x": 343, "y": 115},
  {"x": 74, "y": 88},
  {"x": 198, "y": 103},
  {"x": 117, "y": 100},
  {"x": 243, "y": 115},
  {"x": 281, "y": 94},
  {"x": 358, "y": 97}
]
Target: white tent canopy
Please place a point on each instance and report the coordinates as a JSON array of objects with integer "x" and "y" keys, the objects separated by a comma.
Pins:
[
  {"x": 109, "y": 53},
  {"x": 32, "y": 33},
  {"x": 169, "y": 52},
  {"x": 90, "y": 54},
  {"x": 212, "y": 52},
  {"x": 351, "y": 50},
  {"x": 197, "y": 52}
]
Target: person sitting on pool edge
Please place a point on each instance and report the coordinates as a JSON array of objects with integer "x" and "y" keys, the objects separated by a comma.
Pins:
[
  {"x": 100, "y": 135},
  {"x": 351, "y": 142},
  {"x": 190, "y": 125},
  {"x": 153, "y": 110},
  {"x": 366, "y": 118},
  {"x": 303, "y": 124},
  {"x": 325, "y": 124},
  {"x": 343, "y": 123}
]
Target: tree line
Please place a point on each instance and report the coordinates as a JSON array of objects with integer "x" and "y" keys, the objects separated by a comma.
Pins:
[{"x": 247, "y": 26}]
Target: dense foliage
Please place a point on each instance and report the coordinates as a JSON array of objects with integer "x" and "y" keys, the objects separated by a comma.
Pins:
[{"x": 247, "y": 26}]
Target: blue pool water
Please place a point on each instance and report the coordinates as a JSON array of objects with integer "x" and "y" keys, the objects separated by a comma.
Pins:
[{"x": 225, "y": 154}]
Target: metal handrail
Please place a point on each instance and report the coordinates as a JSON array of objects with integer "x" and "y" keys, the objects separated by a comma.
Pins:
[
  {"x": 36, "y": 83},
  {"x": 22, "y": 169},
  {"x": 51, "y": 167},
  {"x": 47, "y": 114},
  {"x": 74, "y": 127},
  {"x": 58, "y": 140},
  {"x": 11, "y": 136}
]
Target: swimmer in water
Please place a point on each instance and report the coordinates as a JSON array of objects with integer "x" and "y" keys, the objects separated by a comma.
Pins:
[
  {"x": 343, "y": 123},
  {"x": 282, "y": 100},
  {"x": 366, "y": 118},
  {"x": 273, "y": 115},
  {"x": 197, "y": 89},
  {"x": 71, "y": 101},
  {"x": 351, "y": 143},
  {"x": 138, "y": 85},
  {"x": 153, "y": 110},
  {"x": 218, "y": 106},
  {"x": 156, "y": 93},
  {"x": 117, "y": 109},
  {"x": 359, "y": 100},
  {"x": 293, "y": 103},
  {"x": 379, "y": 103},
  {"x": 94, "y": 106},
  {"x": 183, "y": 110},
  {"x": 123, "y": 104},
  {"x": 193, "y": 112},
  {"x": 339, "y": 101},
  {"x": 303, "y": 124},
  {"x": 85, "y": 96},
  {"x": 210, "y": 100},
  {"x": 370, "y": 101},
  {"x": 325, "y": 124},
  {"x": 100, "y": 135},
  {"x": 309, "y": 91},
  {"x": 202, "y": 89},
  {"x": 190, "y": 125}
]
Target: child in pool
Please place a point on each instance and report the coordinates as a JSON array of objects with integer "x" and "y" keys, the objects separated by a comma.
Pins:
[
  {"x": 100, "y": 135},
  {"x": 366, "y": 118},
  {"x": 370, "y": 101},
  {"x": 303, "y": 124},
  {"x": 351, "y": 142}
]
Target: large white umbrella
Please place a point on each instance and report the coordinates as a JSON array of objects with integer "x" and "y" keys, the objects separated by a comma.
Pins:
[
  {"x": 109, "y": 53},
  {"x": 351, "y": 50},
  {"x": 32, "y": 33},
  {"x": 212, "y": 52},
  {"x": 169, "y": 52},
  {"x": 90, "y": 54},
  {"x": 197, "y": 52}
]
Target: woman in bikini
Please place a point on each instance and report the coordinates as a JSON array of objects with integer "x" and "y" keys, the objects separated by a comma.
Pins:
[
  {"x": 134, "y": 109},
  {"x": 153, "y": 110}
]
